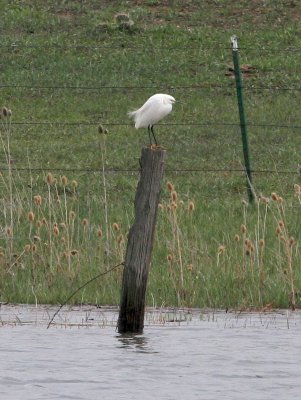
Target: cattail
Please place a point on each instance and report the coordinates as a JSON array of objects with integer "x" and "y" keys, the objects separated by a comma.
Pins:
[
  {"x": 85, "y": 222},
  {"x": 174, "y": 196},
  {"x": 74, "y": 252},
  {"x": 281, "y": 224},
  {"x": 248, "y": 243},
  {"x": 99, "y": 232},
  {"x": 27, "y": 248},
  {"x": 221, "y": 249},
  {"x": 4, "y": 111},
  {"x": 169, "y": 257},
  {"x": 9, "y": 113},
  {"x": 189, "y": 267},
  {"x": 280, "y": 199},
  {"x": 297, "y": 189},
  {"x": 191, "y": 206},
  {"x": 291, "y": 241},
  {"x": 72, "y": 215},
  {"x": 37, "y": 200},
  {"x": 264, "y": 200},
  {"x": 120, "y": 239},
  {"x": 44, "y": 221},
  {"x": 64, "y": 180},
  {"x": 248, "y": 252},
  {"x": 278, "y": 231},
  {"x": 116, "y": 227},
  {"x": 36, "y": 238},
  {"x": 236, "y": 238},
  {"x": 243, "y": 229},
  {"x": 30, "y": 216},
  {"x": 173, "y": 206},
  {"x": 33, "y": 248},
  {"x": 56, "y": 230},
  {"x": 170, "y": 187},
  {"x": 261, "y": 242},
  {"x": 39, "y": 224},
  {"x": 74, "y": 184},
  {"x": 274, "y": 196},
  {"x": 49, "y": 179},
  {"x": 168, "y": 207},
  {"x": 9, "y": 231}
]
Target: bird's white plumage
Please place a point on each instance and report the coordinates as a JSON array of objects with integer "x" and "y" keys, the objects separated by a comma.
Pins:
[{"x": 153, "y": 110}]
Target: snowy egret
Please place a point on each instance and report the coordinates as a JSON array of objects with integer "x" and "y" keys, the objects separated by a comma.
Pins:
[{"x": 153, "y": 110}]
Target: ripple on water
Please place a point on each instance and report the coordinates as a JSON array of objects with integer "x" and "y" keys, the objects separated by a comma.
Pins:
[{"x": 193, "y": 354}]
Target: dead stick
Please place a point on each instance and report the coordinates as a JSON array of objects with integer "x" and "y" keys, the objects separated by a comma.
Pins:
[{"x": 78, "y": 289}]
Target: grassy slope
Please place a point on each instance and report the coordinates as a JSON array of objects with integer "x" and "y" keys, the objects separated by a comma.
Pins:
[{"x": 175, "y": 48}]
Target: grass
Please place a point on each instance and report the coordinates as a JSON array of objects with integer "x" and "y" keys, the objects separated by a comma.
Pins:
[{"x": 69, "y": 69}]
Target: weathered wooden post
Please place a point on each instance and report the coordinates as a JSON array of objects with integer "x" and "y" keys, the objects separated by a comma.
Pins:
[{"x": 140, "y": 241}]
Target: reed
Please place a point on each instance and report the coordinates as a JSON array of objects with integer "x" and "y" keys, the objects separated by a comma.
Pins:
[
  {"x": 199, "y": 259},
  {"x": 211, "y": 249}
]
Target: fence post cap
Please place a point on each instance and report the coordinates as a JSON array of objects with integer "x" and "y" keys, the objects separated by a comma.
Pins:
[{"x": 234, "y": 41}]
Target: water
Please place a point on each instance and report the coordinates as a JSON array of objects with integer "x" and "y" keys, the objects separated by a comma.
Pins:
[{"x": 196, "y": 355}]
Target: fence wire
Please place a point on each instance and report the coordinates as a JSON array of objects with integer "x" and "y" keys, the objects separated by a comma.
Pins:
[
  {"x": 129, "y": 46},
  {"x": 126, "y": 46},
  {"x": 135, "y": 171},
  {"x": 170, "y": 87}
]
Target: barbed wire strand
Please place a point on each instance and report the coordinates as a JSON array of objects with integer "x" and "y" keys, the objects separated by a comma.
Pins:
[
  {"x": 168, "y": 86},
  {"x": 167, "y": 170},
  {"x": 214, "y": 124},
  {"x": 128, "y": 46}
]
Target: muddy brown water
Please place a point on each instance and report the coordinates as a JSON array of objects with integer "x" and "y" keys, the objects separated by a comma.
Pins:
[{"x": 193, "y": 354}]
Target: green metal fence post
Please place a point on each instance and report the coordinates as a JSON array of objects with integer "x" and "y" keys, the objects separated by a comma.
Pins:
[{"x": 243, "y": 125}]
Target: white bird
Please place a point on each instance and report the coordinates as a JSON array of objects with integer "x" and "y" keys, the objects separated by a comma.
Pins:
[{"x": 153, "y": 110}]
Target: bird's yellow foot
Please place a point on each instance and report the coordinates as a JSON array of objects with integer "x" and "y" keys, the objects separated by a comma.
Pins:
[{"x": 155, "y": 147}]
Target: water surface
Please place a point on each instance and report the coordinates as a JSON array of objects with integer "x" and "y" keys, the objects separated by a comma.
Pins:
[{"x": 181, "y": 355}]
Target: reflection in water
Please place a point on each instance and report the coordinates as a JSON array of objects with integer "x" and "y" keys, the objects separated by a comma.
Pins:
[{"x": 138, "y": 342}]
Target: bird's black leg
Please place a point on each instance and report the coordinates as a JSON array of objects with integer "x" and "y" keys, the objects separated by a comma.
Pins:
[
  {"x": 152, "y": 129},
  {"x": 149, "y": 134}
]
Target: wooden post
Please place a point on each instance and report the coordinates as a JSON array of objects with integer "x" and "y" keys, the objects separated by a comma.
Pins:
[{"x": 140, "y": 242}]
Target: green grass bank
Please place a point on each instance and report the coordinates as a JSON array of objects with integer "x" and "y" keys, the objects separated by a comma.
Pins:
[{"x": 70, "y": 70}]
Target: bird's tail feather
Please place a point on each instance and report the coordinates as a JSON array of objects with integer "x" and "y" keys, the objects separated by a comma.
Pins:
[{"x": 132, "y": 114}]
